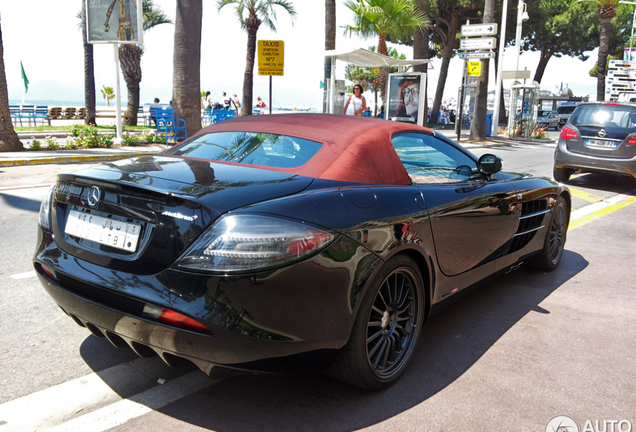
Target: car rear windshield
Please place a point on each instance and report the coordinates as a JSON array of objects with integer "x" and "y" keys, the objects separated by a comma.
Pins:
[
  {"x": 605, "y": 116},
  {"x": 251, "y": 148},
  {"x": 568, "y": 109},
  {"x": 544, "y": 113}
]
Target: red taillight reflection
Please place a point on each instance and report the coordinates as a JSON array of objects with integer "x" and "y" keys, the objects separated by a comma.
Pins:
[
  {"x": 632, "y": 140},
  {"x": 568, "y": 133},
  {"x": 309, "y": 243},
  {"x": 48, "y": 272},
  {"x": 175, "y": 319}
]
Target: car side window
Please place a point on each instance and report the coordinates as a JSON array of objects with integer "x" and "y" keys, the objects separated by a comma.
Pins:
[{"x": 428, "y": 159}]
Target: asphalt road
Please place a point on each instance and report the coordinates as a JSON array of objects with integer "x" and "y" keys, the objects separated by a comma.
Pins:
[{"x": 509, "y": 356}]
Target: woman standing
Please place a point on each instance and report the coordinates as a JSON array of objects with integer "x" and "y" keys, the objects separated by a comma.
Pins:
[{"x": 356, "y": 104}]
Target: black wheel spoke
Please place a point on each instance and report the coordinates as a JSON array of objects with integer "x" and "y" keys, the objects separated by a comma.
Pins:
[{"x": 391, "y": 321}]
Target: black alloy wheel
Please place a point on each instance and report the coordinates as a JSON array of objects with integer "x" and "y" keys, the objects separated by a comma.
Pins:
[
  {"x": 550, "y": 256},
  {"x": 386, "y": 329},
  {"x": 391, "y": 323}
]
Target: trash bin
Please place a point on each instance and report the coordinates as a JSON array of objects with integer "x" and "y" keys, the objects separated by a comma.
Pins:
[{"x": 488, "y": 124}]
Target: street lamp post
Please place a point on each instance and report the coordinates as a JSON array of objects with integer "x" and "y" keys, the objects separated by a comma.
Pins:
[
  {"x": 498, "y": 89},
  {"x": 522, "y": 15}
]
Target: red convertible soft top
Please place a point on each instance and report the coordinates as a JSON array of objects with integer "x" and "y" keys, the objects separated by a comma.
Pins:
[{"x": 355, "y": 149}]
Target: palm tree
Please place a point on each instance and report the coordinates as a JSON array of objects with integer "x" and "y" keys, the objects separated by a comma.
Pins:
[
  {"x": 389, "y": 20},
  {"x": 606, "y": 11},
  {"x": 130, "y": 60},
  {"x": 251, "y": 14},
  {"x": 186, "y": 63},
  {"x": 108, "y": 93},
  {"x": 89, "y": 70},
  {"x": 9, "y": 140}
]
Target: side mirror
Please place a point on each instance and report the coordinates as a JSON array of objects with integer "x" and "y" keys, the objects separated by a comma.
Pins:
[{"x": 489, "y": 164}]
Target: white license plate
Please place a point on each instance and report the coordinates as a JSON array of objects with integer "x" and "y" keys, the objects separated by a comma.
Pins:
[
  {"x": 601, "y": 143},
  {"x": 106, "y": 231}
]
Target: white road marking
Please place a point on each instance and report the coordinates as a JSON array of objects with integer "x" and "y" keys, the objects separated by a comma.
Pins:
[
  {"x": 120, "y": 412},
  {"x": 24, "y": 275},
  {"x": 90, "y": 404}
]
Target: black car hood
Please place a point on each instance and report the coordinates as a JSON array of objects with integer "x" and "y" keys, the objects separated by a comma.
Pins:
[{"x": 220, "y": 187}]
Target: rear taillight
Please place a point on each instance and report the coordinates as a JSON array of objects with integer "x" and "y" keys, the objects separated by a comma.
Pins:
[
  {"x": 174, "y": 319},
  {"x": 568, "y": 133},
  {"x": 632, "y": 140}
]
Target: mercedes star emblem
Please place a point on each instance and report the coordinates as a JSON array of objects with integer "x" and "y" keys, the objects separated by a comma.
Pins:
[{"x": 94, "y": 195}]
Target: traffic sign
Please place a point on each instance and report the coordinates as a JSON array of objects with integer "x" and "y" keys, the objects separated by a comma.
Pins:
[
  {"x": 473, "y": 68},
  {"x": 621, "y": 64},
  {"x": 476, "y": 55},
  {"x": 271, "y": 72},
  {"x": 271, "y": 54},
  {"x": 480, "y": 43},
  {"x": 479, "y": 30}
]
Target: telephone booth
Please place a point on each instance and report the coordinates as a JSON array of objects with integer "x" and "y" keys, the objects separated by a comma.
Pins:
[{"x": 522, "y": 116}]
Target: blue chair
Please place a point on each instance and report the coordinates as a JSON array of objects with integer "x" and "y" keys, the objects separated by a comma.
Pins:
[
  {"x": 28, "y": 112},
  {"x": 206, "y": 117},
  {"x": 14, "y": 113},
  {"x": 165, "y": 124},
  {"x": 222, "y": 114},
  {"x": 42, "y": 112}
]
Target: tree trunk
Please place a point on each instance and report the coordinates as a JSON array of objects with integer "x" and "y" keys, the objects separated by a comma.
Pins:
[
  {"x": 450, "y": 38},
  {"x": 330, "y": 44},
  {"x": 9, "y": 140},
  {"x": 479, "y": 124},
  {"x": 252, "y": 23},
  {"x": 421, "y": 50},
  {"x": 383, "y": 76},
  {"x": 89, "y": 73},
  {"x": 546, "y": 55},
  {"x": 606, "y": 15},
  {"x": 186, "y": 80},
  {"x": 130, "y": 61}
]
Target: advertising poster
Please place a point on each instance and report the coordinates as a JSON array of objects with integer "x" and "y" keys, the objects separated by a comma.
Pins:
[
  {"x": 110, "y": 21},
  {"x": 405, "y": 103}
]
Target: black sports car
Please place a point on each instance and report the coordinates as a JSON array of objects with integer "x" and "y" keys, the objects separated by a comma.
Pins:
[{"x": 289, "y": 243}]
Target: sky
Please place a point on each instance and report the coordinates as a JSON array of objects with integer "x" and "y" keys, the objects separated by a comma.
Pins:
[{"x": 45, "y": 36}]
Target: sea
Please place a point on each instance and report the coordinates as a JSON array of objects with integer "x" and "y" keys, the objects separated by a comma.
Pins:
[{"x": 102, "y": 104}]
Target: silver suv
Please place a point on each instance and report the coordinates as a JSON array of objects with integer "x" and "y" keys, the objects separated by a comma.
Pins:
[
  {"x": 599, "y": 137},
  {"x": 565, "y": 111}
]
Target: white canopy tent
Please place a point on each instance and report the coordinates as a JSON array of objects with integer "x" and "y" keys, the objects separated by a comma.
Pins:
[{"x": 363, "y": 58}]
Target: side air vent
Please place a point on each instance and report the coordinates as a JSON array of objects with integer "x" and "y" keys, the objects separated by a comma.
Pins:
[{"x": 530, "y": 221}]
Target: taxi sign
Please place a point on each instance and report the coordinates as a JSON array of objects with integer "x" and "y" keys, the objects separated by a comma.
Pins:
[
  {"x": 473, "y": 68},
  {"x": 271, "y": 54},
  {"x": 270, "y": 72}
]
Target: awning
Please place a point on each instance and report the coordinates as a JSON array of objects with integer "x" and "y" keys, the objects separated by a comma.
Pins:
[{"x": 365, "y": 58}]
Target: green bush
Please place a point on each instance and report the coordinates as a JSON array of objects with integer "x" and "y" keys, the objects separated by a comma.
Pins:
[
  {"x": 35, "y": 144},
  {"x": 51, "y": 143},
  {"x": 129, "y": 139}
]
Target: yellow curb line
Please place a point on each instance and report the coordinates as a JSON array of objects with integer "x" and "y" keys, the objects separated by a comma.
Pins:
[
  {"x": 69, "y": 159},
  {"x": 585, "y": 196},
  {"x": 600, "y": 213}
]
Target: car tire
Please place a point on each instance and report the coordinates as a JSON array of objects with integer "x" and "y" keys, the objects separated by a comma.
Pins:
[
  {"x": 561, "y": 174},
  {"x": 386, "y": 328},
  {"x": 550, "y": 256}
]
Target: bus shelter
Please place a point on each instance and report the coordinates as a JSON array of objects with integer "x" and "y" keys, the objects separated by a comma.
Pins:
[{"x": 369, "y": 59}]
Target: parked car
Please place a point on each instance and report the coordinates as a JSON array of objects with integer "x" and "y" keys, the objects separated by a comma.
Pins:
[
  {"x": 548, "y": 119},
  {"x": 565, "y": 110},
  {"x": 289, "y": 243},
  {"x": 599, "y": 137}
]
